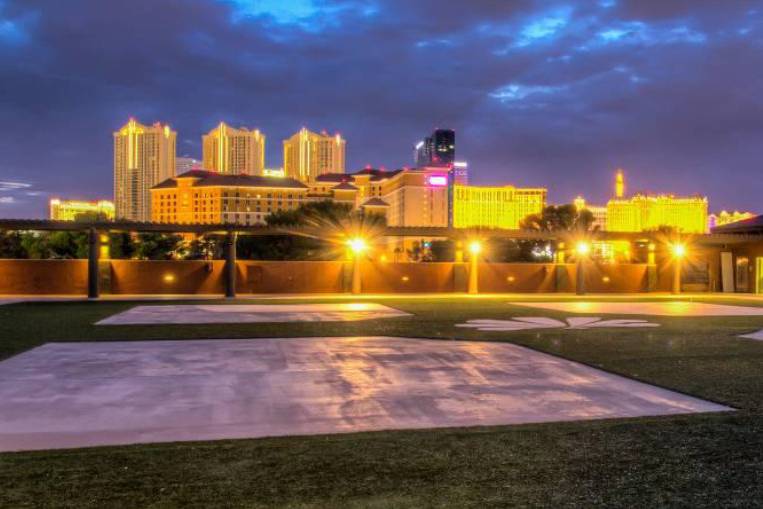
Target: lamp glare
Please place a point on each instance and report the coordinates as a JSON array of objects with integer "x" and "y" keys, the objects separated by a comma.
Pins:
[
  {"x": 583, "y": 248},
  {"x": 357, "y": 245},
  {"x": 679, "y": 250}
]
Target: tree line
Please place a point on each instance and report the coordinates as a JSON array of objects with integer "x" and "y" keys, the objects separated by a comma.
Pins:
[{"x": 321, "y": 225}]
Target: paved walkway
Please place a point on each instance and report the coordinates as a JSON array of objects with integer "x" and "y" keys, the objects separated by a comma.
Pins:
[{"x": 87, "y": 394}]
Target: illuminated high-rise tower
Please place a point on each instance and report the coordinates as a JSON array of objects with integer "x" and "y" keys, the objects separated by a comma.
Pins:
[
  {"x": 306, "y": 155},
  {"x": 234, "y": 151},
  {"x": 143, "y": 157},
  {"x": 439, "y": 149},
  {"x": 619, "y": 184}
]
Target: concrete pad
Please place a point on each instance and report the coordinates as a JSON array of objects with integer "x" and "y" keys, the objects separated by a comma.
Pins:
[
  {"x": 663, "y": 308},
  {"x": 87, "y": 394},
  {"x": 758, "y": 336},
  {"x": 252, "y": 313}
]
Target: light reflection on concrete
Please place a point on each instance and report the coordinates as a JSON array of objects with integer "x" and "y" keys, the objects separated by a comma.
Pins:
[
  {"x": 86, "y": 394},
  {"x": 664, "y": 308}
]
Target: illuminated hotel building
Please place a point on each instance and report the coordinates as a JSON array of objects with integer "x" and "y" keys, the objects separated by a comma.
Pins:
[
  {"x": 408, "y": 197},
  {"x": 143, "y": 157},
  {"x": 724, "y": 217},
  {"x": 648, "y": 213},
  {"x": 204, "y": 197},
  {"x": 495, "y": 207},
  {"x": 307, "y": 155},
  {"x": 461, "y": 173},
  {"x": 234, "y": 151},
  {"x": 68, "y": 210}
]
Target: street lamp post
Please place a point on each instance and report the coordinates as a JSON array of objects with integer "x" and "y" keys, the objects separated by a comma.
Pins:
[
  {"x": 679, "y": 251},
  {"x": 357, "y": 245},
  {"x": 475, "y": 247},
  {"x": 582, "y": 249}
]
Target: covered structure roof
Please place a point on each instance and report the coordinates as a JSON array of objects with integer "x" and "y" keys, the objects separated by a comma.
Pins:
[{"x": 205, "y": 178}]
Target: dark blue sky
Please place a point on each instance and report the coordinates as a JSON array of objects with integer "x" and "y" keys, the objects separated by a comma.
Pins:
[{"x": 557, "y": 94}]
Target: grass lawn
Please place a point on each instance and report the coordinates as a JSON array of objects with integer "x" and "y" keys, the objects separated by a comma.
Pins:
[{"x": 710, "y": 460}]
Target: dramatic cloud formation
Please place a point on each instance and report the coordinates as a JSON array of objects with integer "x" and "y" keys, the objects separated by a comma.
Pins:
[{"x": 540, "y": 93}]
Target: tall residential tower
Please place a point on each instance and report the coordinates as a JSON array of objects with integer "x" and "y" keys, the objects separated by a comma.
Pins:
[
  {"x": 234, "y": 151},
  {"x": 306, "y": 155},
  {"x": 143, "y": 157}
]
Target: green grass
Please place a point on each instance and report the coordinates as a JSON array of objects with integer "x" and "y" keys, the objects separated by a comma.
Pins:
[{"x": 710, "y": 460}]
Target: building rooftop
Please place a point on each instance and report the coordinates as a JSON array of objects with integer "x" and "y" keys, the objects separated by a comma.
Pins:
[
  {"x": 377, "y": 174},
  {"x": 334, "y": 177},
  {"x": 375, "y": 202},
  {"x": 211, "y": 179},
  {"x": 749, "y": 226},
  {"x": 347, "y": 186}
]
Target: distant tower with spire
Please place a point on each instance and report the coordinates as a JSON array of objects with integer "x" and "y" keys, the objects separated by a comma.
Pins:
[{"x": 619, "y": 184}]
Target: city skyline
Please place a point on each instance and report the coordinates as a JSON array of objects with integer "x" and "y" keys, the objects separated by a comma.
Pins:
[{"x": 540, "y": 94}]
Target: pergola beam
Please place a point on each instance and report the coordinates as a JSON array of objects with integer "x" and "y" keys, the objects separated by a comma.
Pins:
[{"x": 390, "y": 231}]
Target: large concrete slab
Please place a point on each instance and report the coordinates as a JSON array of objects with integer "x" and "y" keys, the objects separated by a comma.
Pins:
[
  {"x": 662, "y": 308},
  {"x": 252, "y": 313},
  {"x": 757, "y": 336},
  {"x": 87, "y": 394}
]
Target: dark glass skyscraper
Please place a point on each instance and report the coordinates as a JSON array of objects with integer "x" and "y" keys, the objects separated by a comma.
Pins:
[{"x": 439, "y": 149}]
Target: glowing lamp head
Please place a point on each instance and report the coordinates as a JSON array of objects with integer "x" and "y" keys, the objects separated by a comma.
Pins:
[
  {"x": 357, "y": 245},
  {"x": 679, "y": 250},
  {"x": 475, "y": 247},
  {"x": 583, "y": 248}
]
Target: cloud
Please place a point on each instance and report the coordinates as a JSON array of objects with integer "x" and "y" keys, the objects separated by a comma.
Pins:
[
  {"x": 16, "y": 26},
  {"x": 8, "y": 185},
  {"x": 310, "y": 15},
  {"x": 515, "y": 92},
  {"x": 640, "y": 33},
  {"x": 544, "y": 28},
  {"x": 540, "y": 93}
]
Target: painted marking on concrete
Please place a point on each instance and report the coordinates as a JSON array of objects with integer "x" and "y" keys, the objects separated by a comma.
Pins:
[
  {"x": 252, "y": 313},
  {"x": 542, "y": 322},
  {"x": 88, "y": 394},
  {"x": 666, "y": 308}
]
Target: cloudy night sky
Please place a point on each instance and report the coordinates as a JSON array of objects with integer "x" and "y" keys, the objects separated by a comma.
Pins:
[{"x": 554, "y": 94}]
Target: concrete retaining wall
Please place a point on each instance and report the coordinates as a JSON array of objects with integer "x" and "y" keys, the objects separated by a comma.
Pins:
[
  {"x": 41, "y": 277},
  {"x": 200, "y": 277}
]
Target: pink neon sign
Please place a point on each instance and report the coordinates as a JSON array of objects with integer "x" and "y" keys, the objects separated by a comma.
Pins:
[{"x": 438, "y": 180}]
